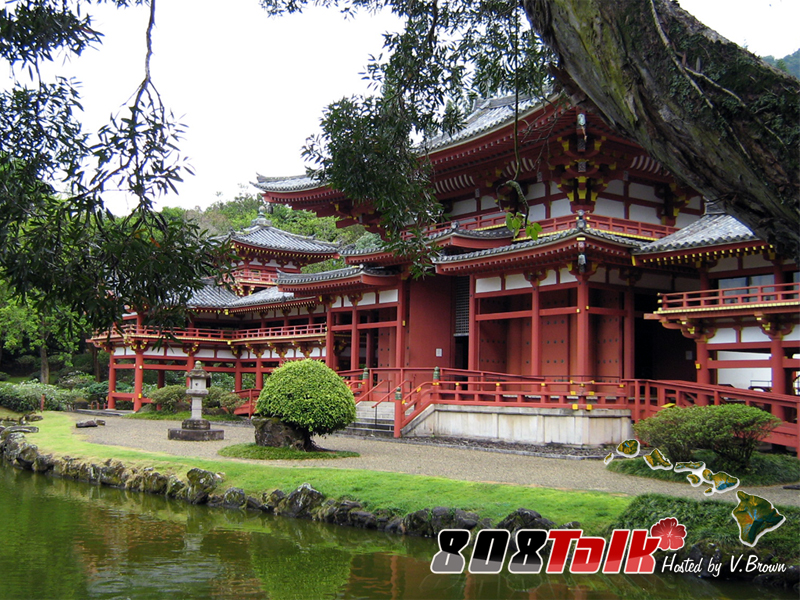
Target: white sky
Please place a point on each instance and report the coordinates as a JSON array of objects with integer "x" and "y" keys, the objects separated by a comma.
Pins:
[{"x": 251, "y": 88}]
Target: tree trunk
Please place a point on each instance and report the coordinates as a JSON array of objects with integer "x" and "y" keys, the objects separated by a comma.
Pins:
[
  {"x": 44, "y": 372},
  {"x": 715, "y": 115}
]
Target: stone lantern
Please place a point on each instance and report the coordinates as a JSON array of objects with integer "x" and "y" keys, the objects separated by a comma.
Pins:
[{"x": 196, "y": 428}]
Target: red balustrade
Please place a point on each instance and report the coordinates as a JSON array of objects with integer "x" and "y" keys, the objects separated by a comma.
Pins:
[
  {"x": 740, "y": 297},
  {"x": 553, "y": 225},
  {"x": 254, "y": 276},
  {"x": 219, "y": 335}
]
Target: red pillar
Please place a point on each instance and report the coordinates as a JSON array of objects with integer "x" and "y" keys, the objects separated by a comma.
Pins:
[
  {"x": 355, "y": 341},
  {"x": 112, "y": 381},
  {"x": 536, "y": 333},
  {"x": 703, "y": 356},
  {"x": 474, "y": 328},
  {"x": 400, "y": 353},
  {"x": 237, "y": 373},
  {"x": 138, "y": 380},
  {"x": 330, "y": 341},
  {"x": 259, "y": 372},
  {"x": 583, "y": 338},
  {"x": 776, "y": 363},
  {"x": 629, "y": 337},
  {"x": 160, "y": 382}
]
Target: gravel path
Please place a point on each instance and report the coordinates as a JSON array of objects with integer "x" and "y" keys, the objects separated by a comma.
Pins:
[{"x": 420, "y": 459}]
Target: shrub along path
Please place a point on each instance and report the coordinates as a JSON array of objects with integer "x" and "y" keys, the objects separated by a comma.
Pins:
[{"x": 422, "y": 459}]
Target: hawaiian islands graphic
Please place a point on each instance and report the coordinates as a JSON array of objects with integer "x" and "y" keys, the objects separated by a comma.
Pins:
[{"x": 754, "y": 515}]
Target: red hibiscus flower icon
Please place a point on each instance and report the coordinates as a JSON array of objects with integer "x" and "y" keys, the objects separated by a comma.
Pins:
[{"x": 671, "y": 533}]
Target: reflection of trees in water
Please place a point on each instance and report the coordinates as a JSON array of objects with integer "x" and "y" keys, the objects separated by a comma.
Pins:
[
  {"x": 37, "y": 558},
  {"x": 289, "y": 570},
  {"x": 64, "y": 539}
]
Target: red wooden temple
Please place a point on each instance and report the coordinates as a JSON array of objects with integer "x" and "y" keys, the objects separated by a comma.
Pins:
[{"x": 636, "y": 294}]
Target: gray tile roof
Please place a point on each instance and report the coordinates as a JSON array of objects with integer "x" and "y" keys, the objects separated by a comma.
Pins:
[
  {"x": 270, "y": 295},
  {"x": 484, "y": 234},
  {"x": 487, "y": 115},
  {"x": 212, "y": 296},
  {"x": 293, "y": 183},
  {"x": 215, "y": 296},
  {"x": 709, "y": 230},
  {"x": 542, "y": 240},
  {"x": 266, "y": 236},
  {"x": 300, "y": 278}
]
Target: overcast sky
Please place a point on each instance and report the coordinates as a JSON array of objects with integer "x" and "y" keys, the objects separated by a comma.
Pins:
[{"x": 251, "y": 88}]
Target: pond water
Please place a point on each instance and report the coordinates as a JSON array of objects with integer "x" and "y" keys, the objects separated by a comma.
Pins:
[{"x": 62, "y": 539}]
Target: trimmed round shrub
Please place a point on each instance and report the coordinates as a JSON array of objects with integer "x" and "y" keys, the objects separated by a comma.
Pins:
[
  {"x": 218, "y": 400},
  {"x": 734, "y": 431},
  {"x": 308, "y": 395},
  {"x": 169, "y": 397},
  {"x": 675, "y": 431}
]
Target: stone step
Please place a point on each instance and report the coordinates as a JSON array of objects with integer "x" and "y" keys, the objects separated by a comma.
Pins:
[
  {"x": 376, "y": 423},
  {"x": 366, "y": 429},
  {"x": 102, "y": 412}
]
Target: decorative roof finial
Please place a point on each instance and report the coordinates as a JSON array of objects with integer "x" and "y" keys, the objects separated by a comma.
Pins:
[{"x": 261, "y": 220}]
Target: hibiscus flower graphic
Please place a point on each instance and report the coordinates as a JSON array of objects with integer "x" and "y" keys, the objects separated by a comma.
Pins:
[{"x": 671, "y": 533}]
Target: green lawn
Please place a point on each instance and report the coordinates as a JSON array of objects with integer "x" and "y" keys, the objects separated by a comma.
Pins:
[
  {"x": 399, "y": 492},
  {"x": 7, "y": 414},
  {"x": 180, "y": 416},
  {"x": 253, "y": 451}
]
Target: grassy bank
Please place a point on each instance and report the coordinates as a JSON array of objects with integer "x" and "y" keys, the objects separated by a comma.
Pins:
[
  {"x": 710, "y": 522},
  {"x": 399, "y": 492},
  {"x": 764, "y": 469}
]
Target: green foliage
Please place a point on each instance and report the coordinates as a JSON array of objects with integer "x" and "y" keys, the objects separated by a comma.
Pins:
[
  {"x": 4, "y": 376},
  {"x": 675, "y": 431},
  {"x": 74, "y": 381},
  {"x": 220, "y": 398},
  {"x": 13, "y": 399},
  {"x": 59, "y": 247},
  {"x": 256, "y": 452},
  {"x": 223, "y": 381},
  {"x": 26, "y": 397},
  {"x": 733, "y": 431},
  {"x": 96, "y": 392},
  {"x": 309, "y": 395},
  {"x": 711, "y": 520},
  {"x": 789, "y": 63},
  {"x": 447, "y": 54},
  {"x": 763, "y": 469},
  {"x": 169, "y": 396}
]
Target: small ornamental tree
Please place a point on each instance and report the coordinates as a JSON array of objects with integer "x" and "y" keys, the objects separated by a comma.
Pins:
[
  {"x": 309, "y": 396},
  {"x": 734, "y": 431},
  {"x": 676, "y": 431}
]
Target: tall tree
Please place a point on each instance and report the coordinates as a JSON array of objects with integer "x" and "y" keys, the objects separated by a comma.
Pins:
[
  {"x": 23, "y": 326},
  {"x": 719, "y": 118},
  {"x": 56, "y": 236}
]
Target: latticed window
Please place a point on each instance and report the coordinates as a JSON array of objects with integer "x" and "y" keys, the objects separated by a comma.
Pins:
[{"x": 462, "y": 306}]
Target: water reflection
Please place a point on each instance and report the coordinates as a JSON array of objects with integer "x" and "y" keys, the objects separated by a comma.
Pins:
[{"x": 61, "y": 539}]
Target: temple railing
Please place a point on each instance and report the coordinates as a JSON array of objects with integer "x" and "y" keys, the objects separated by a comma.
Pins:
[
  {"x": 754, "y": 296},
  {"x": 611, "y": 224},
  {"x": 228, "y": 336},
  {"x": 643, "y": 398},
  {"x": 254, "y": 276}
]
